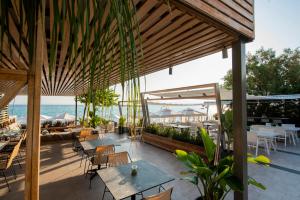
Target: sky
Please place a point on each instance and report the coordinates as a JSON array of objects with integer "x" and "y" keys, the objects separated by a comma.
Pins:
[{"x": 277, "y": 26}]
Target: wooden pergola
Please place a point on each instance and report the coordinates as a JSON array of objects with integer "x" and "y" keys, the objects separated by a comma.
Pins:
[{"x": 171, "y": 34}]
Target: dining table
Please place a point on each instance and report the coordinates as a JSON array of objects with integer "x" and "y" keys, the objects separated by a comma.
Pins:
[
  {"x": 294, "y": 130},
  {"x": 122, "y": 184}
]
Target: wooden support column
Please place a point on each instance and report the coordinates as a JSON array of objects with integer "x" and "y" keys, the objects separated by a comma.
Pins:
[
  {"x": 33, "y": 116},
  {"x": 239, "y": 117},
  {"x": 76, "y": 114}
]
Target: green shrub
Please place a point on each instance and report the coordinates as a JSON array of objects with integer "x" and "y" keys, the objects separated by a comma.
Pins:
[
  {"x": 122, "y": 121},
  {"x": 95, "y": 121},
  {"x": 183, "y": 136}
]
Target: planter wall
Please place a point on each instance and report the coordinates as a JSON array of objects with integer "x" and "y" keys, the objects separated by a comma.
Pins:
[
  {"x": 170, "y": 144},
  {"x": 57, "y": 137}
]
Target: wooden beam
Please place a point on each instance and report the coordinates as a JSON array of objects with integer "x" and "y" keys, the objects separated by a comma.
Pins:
[
  {"x": 239, "y": 117},
  {"x": 209, "y": 85},
  {"x": 11, "y": 74},
  {"x": 33, "y": 112},
  {"x": 178, "y": 98},
  {"x": 11, "y": 93}
]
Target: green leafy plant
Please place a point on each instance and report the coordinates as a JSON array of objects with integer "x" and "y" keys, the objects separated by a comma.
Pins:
[
  {"x": 183, "y": 136},
  {"x": 152, "y": 128},
  {"x": 164, "y": 131},
  {"x": 83, "y": 122},
  {"x": 140, "y": 122},
  {"x": 122, "y": 121},
  {"x": 216, "y": 179},
  {"x": 227, "y": 121},
  {"x": 94, "y": 121},
  {"x": 104, "y": 121}
]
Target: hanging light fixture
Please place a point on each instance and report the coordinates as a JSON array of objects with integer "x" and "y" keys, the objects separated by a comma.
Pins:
[
  {"x": 170, "y": 70},
  {"x": 224, "y": 53}
]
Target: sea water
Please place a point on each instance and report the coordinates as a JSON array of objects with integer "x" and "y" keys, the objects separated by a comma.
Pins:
[{"x": 20, "y": 111}]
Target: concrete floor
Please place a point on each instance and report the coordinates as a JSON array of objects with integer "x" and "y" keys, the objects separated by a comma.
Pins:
[{"x": 61, "y": 176}]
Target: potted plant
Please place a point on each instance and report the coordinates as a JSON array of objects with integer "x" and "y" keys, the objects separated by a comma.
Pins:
[
  {"x": 104, "y": 123},
  {"x": 216, "y": 179},
  {"x": 94, "y": 121},
  {"x": 122, "y": 121}
]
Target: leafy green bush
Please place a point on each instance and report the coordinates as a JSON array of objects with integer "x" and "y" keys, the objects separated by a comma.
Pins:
[
  {"x": 216, "y": 178},
  {"x": 95, "y": 121},
  {"x": 183, "y": 136},
  {"x": 122, "y": 121},
  {"x": 104, "y": 121},
  {"x": 152, "y": 128}
]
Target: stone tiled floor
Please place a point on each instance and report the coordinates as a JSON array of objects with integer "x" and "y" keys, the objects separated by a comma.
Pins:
[{"x": 62, "y": 177}]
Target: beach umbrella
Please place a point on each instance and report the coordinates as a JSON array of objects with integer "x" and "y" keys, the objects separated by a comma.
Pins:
[
  {"x": 64, "y": 117},
  {"x": 168, "y": 115},
  {"x": 44, "y": 117},
  {"x": 191, "y": 113}
]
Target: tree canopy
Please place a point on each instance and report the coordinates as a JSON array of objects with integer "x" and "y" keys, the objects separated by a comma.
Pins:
[{"x": 268, "y": 74}]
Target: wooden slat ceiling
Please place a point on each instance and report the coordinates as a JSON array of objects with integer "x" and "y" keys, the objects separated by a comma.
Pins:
[{"x": 193, "y": 29}]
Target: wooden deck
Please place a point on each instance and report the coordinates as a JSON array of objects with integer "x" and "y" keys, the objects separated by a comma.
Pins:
[{"x": 62, "y": 178}]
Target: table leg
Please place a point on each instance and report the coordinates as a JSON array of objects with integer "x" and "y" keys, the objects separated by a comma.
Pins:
[
  {"x": 132, "y": 197},
  {"x": 267, "y": 146},
  {"x": 272, "y": 144},
  {"x": 293, "y": 137},
  {"x": 296, "y": 136}
]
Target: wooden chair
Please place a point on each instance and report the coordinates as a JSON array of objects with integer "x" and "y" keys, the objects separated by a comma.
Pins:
[
  {"x": 166, "y": 195},
  {"x": 100, "y": 158},
  {"x": 89, "y": 153},
  {"x": 13, "y": 151},
  {"x": 91, "y": 137},
  {"x": 85, "y": 132},
  {"x": 101, "y": 154},
  {"x": 116, "y": 159},
  {"x": 6, "y": 162}
]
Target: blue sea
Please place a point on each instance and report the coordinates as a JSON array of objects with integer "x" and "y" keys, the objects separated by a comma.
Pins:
[{"x": 53, "y": 110}]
